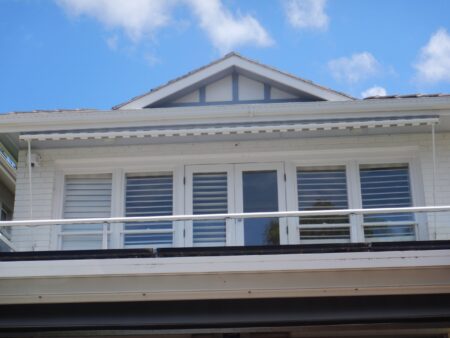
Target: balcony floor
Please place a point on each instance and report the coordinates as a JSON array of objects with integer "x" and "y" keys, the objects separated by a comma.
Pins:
[{"x": 226, "y": 251}]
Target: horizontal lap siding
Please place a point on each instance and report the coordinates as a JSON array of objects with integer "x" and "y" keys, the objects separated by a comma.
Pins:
[{"x": 37, "y": 238}]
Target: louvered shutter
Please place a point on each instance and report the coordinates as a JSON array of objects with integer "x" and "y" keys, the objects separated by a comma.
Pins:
[
  {"x": 323, "y": 188},
  {"x": 387, "y": 186},
  {"x": 87, "y": 196},
  {"x": 210, "y": 196},
  {"x": 149, "y": 195}
]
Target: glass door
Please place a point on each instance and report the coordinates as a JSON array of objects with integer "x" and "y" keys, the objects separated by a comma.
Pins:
[
  {"x": 260, "y": 188},
  {"x": 230, "y": 188}
]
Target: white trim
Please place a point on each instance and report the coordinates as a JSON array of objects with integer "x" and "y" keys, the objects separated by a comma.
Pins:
[
  {"x": 178, "y": 205},
  {"x": 291, "y": 200},
  {"x": 58, "y": 205},
  {"x": 354, "y": 200},
  {"x": 30, "y": 178},
  {"x": 117, "y": 207}
]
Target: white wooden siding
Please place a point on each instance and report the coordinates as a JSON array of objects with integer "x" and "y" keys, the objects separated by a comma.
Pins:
[
  {"x": 277, "y": 94},
  {"x": 250, "y": 89},
  {"x": 220, "y": 90},
  {"x": 189, "y": 98}
]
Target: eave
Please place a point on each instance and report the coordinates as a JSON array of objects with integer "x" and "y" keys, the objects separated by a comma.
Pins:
[{"x": 36, "y": 121}]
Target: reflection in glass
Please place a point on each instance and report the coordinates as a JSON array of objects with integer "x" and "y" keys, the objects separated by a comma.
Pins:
[{"x": 260, "y": 194}]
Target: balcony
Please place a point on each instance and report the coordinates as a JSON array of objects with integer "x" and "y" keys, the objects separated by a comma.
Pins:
[
  {"x": 328, "y": 234},
  {"x": 104, "y": 281}
]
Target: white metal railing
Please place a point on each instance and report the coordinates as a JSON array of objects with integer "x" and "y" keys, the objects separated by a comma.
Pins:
[{"x": 274, "y": 214}]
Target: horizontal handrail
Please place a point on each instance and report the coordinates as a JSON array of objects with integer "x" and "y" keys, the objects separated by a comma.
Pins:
[{"x": 273, "y": 214}]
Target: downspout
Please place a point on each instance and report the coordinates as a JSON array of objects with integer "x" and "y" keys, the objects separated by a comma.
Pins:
[
  {"x": 433, "y": 141},
  {"x": 30, "y": 181}
]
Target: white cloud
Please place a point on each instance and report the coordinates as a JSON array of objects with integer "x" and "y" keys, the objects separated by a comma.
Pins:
[
  {"x": 306, "y": 13},
  {"x": 374, "y": 91},
  {"x": 355, "y": 68},
  {"x": 151, "y": 59},
  {"x": 142, "y": 18},
  {"x": 227, "y": 31},
  {"x": 434, "y": 60},
  {"x": 137, "y": 18}
]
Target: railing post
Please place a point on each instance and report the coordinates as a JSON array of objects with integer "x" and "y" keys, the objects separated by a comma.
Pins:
[{"x": 105, "y": 236}]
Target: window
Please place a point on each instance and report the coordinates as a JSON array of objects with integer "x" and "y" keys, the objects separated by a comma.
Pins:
[
  {"x": 235, "y": 188},
  {"x": 149, "y": 195},
  {"x": 86, "y": 196},
  {"x": 5, "y": 215},
  {"x": 323, "y": 188},
  {"x": 387, "y": 186},
  {"x": 380, "y": 186}
]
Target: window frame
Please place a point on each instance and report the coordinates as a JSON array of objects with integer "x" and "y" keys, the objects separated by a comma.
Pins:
[
  {"x": 354, "y": 191},
  {"x": 58, "y": 233},
  {"x": 351, "y": 223},
  {"x": 121, "y": 232}
]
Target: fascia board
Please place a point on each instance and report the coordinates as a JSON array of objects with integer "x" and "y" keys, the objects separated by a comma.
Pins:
[
  {"x": 291, "y": 81},
  {"x": 13, "y": 123}
]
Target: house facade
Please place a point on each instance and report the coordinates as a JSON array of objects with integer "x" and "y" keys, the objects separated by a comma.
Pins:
[{"x": 238, "y": 186}]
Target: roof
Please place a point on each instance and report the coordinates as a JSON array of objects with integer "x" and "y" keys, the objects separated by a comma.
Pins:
[
  {"x": 240, "y": 61},
  {"x": 60, "y": 110},
  {"x": 405, "y": 96}
]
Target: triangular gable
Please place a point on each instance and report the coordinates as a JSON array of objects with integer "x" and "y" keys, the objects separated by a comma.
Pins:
[{"x": 233, "y": 79}]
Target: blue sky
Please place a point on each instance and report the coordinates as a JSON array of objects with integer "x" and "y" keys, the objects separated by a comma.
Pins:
[{"x": 98, "y": 53}]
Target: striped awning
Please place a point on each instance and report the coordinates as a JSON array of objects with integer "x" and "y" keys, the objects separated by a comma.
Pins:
[{"x": 256, "y": 127}]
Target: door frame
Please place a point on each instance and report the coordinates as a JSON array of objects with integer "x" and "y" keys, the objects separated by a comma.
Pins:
[
  {"x": 234, "y": 228},
  {"x": 281, "y": 190}
]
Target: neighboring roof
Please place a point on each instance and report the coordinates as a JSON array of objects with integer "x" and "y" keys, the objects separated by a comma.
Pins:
[
  {"x": 230, "y": 60},
  {"x": 405, "y": 96},
  {"x": 53, "y": 111}
]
